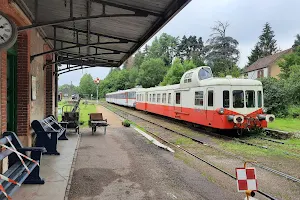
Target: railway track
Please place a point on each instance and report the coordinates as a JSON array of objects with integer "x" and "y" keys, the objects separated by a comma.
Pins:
[
  {"x": 185, "y": 150},
  {"x": 282, "y": 174}
]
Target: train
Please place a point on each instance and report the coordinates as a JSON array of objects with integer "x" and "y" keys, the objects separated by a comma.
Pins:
[{"x": 200, "y": 98}]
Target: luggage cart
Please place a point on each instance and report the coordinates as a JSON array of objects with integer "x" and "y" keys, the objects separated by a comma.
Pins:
[
  {"x": 70, "y": 118},
  {"x": 96, "y": 120}
]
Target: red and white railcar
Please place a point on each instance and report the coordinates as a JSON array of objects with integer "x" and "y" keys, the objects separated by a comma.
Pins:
[
  {"x": 123, "y": 97},
  {"x": 222, "y": 103}
]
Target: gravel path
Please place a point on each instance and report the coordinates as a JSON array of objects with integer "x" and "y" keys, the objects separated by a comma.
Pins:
[{"x": 124, "y": 165}]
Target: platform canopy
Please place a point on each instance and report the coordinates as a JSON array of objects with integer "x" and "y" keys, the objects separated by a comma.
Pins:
[{"x": 90, "y": 33}]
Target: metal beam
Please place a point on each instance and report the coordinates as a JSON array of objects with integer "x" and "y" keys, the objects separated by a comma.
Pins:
[
  {"x": 71, "y": 47},
  {"x": 130, "y": 8},
  {"x": 91, "y": 62},
  {"x": 82, "y": 68},
  {"x": 97, "y": 34},
  {"x": 74, "y": 58},
  {"x": 81, "y": 65},
  {"x": 103, "y": 48},
  {"x": 75, "y": 19}
]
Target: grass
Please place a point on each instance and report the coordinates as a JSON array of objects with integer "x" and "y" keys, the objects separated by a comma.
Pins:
[
  {"x": 287, "y": 124},
  {"x": 85, "y": 109},
  {"x": 183, "y": 141}
]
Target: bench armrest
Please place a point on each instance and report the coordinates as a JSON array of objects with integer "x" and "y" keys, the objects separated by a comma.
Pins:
[
  {"x": 36, "y": 149},
  {"x": 47, "y": 132}
]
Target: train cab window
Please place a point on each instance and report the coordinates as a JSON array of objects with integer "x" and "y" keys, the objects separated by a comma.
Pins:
[
  {"x": 250, "y": 99},
  {"x": 169, "y": 98},
  {"x": 158, "y": 98},
  {"x": 210, "y": 98},
  {"x": 259, "y": 99},
  {"x": 164, "y": 98},
  {"x": 225, "y": 99},
  {"x": 238, "y": 98},
  {"x": 205, "y": 73},
  {"x": 178, "y": 98},
  {"x": 199, "y": 98},
  {"x": 154, "y": 98},
  {"x": 188, "y": 77}
]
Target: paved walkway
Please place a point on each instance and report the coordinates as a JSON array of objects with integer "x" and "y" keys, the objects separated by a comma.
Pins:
[
  {"x": 123, "y": 165},
  {"x": 55, "y": 170}
]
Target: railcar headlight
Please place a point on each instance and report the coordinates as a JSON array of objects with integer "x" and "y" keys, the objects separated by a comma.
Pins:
[
  {"x": 261, "y": 117},
  {"x": 230, "y": 118},
  {"x": 220, "y": 111}
]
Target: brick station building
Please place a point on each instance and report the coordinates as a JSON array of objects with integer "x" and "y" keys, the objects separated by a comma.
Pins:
[{"x": 20, "y": 78}]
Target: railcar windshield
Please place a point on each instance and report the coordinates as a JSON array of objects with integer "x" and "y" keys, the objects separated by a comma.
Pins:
[
  {"x": 205, "y": 73},
  {"x": 238, "y": 98},
  {"x": 250, "y": 99}
]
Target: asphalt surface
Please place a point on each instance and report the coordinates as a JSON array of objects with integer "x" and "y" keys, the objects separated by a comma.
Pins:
[{"x": 123, "y": 165}]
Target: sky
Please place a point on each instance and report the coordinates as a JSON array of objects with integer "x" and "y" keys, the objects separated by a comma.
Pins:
[{"x": 246, "y": 19}]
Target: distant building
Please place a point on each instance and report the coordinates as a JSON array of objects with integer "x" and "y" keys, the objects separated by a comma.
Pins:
[{"x": 266, "y": 67}]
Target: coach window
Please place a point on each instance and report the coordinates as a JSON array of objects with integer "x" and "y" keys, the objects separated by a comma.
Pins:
[
  {"x": 250, "y": 99},
  {"x": 259, "y": 99},
  {"x": 199, "y": 98},
  {"x": 164, "y": 98},
  {"x": 210, "y": 98},
  {"x": 238, "y": 98},
  {"x": 150, "y": 97},
  {"x": 154, "y": 98},
  {"x": 169, "y": 98},
  {"x": 158, "y": 98},
  {"x": 225, "y": 99},
  {"x": 178, "y": 98}
]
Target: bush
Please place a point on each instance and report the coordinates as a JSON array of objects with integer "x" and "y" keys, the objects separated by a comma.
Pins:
[
  {"x": 275, "y": 96},
  {"x": 126, "y": 123}
]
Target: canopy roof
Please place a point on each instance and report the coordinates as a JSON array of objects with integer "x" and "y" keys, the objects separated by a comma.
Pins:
[{"x": 94, "y": 33}]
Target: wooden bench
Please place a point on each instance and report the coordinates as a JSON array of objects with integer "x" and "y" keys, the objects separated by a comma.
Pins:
[
  {"x": 16, "y": 171},
  {"x": 48, "y": 131},
  {"x": 96, "y": 120}
]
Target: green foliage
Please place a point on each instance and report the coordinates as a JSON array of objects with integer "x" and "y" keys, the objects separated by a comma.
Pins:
[
  {"x": 87, "y": 85},
  {"x": 68, "y": 89},
  {"x": 256, "y": 53},
  {"x": 292, "y": 85},
  {"x": 275, "y": 96},
  {"x": 289, "y": 60},
  {"x": 151, "y": 72},
  {"x": 221, "y": 51},
  {"x": 297, "y": 41},
  {"x": 234, "y": 71},
  {"x": 267, "y": 43},
  {"x": 174, "y": 73},
  {"x": 191, "y": 48}
]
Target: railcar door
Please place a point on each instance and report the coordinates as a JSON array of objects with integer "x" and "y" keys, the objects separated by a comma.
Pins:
[
  {"x": 178, "y": 102},
  {"x": 146, "y": 101},
  {"x": 209, "y": 105}
]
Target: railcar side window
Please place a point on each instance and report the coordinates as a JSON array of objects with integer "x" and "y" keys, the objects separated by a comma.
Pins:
[
  {"x": 154, "y": 98},
  {"x": 164, "y": 97},
  {"x": 259, "y": 99},
  {"x": 238, "y": 98},
  {"x": 169, "y": 98},
  {"x": 178, "y": 98},
  {"x": 150, "y": 97},
  {"x": 199, "y": 98},
  {"x": 210, "y": 98},
  {"x": 225, "y": 99},
  {"x": 158, "y": 98},
  {"x": 250, "y": 99}
]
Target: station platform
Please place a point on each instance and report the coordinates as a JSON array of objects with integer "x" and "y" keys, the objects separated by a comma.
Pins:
[{"x": 122, "y": 164}]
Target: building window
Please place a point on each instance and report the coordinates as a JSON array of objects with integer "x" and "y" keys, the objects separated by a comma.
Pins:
[
  {"x": 178, "y": 98},
  {"x": 199, "y": 98},
  {"x": 210, "y": 98},
  {"x": 158, "y": 98},
  {"x": 250, "y": 99},
  {"x": 164, "y": 98},
  {"x": 169, "y": 98},
  {"x": 238, "y": 98},
  {"x": 259, "y": 99},
  {"x": 260, "y": 73},
  {"x": 225, "y": 99}
]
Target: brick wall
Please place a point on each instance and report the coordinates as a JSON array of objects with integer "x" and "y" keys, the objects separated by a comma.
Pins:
[
  {"x": 3, "y": 94},
  {"x": 49, "y": 90}
]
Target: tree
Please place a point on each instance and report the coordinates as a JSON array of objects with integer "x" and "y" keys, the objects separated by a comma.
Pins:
[
  {"x": 267, "y": 43},
  {"x": 256, "y": 53},
  {"x": 297, "y": 41},
  {"x": 68, "y": 89},
  {"x": 87, "y": 85},
  {"x": 190, "y": 48},
  {"x": 138, "y": 59},
  {"x": 287, "y": 61},
  {"x": 152, "y": 72},
  {"x": 221, "y": 51},
  {"x": 174, "y": 73}
]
